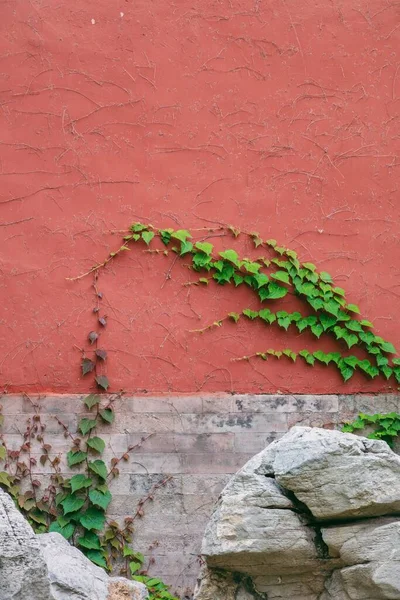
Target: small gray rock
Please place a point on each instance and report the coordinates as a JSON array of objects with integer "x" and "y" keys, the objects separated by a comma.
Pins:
[{"x": 72, "y": 575}]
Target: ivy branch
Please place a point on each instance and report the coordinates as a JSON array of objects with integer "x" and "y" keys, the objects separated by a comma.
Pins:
[{"x": 271, "y": 277}]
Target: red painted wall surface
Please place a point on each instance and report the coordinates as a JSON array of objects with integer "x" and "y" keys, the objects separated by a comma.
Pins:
[{"x": 274, "y": 115}]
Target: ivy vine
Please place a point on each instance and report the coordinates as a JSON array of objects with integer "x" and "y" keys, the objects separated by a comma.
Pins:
[
  {"x": 77, "y": 506},
  {"x": 271, "y": 277},
  {"x": 378, "y": 426}
]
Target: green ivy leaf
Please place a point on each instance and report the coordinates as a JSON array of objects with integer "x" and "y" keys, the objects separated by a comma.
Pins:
[
  {"x": 352, "y": 361},
  {"x": 322, "y": 357},
  {"x": 231, "y": 256},
  {"x": 238, "y": 279},
  {"x": 317, "y": 330},
  {"x": 66, "y": 531},
  {"x": 354, "y": 325},
  {"x": 90, "y": 540},
  {"x": 3, "y": 452},
  {"x": 201, "y": 261},
  {"x": 100, "y": 499},
  {"x": 388, "y": 347},
  {"x": 138, "y": 227},
  {"x": 224, "y": 276},
  {"x": 266, "y": 315},
  {"x": 78, "y": 482},
  {"x": 325, "y": 277},
  {"x": 339, "y": 291},
  {"x": 107, "y": 414},
  {"x": 350, "y": 338},
  {"x": 332, "y": 307},
  {"x": 92, "y": 400},
  {"x": 284, "y": 320},
  {"x": 98, "y": 467},
  {"x": 147, "y": 237},
  {"x": 346, "y": 371},
  {"x": 366, "y": 336},
  {"x": 251, "y": 267},
  {"x": 368, "y": 368},
  {"x": 290, "y": 354},
  {"x": 181, "y": 235},
  {"x": 276, "y": 291},
  {"x": 308, "y": 357},
  {"x": 306, "y": 322},
  {"x": 204, "y": 247},
  {"x": 261, "y": 279},
  {"x": 381, "y": 360},
  {"x": 93, "y": 518},
  {"x": 316, "y": 303},
  {"x": 96, "y": 444},
  {"x": 309, "y": 266},
  {"x": 353, "y": 308},
  {"x": 86, "y": 425},
  {"x": 251, "y": 314},
  {"x": 263, "y": 293},
  {"x": 97, "y": 558},
  {"x": 165, "y": 235},
  {"x": 134, "y": 566},
  {"x": 186, "y": 247},
  {"x": 326, "y": 320},
  {"x": 72, "y": 503},
  {"x": 366, "y": 323},
  {"x": 342, "y": 316},
  {"x": 75, "y": 458},
  {"x": 373, "y": 350},
  {"x": 281, "y": 276},
  {"x": 387, "y": 371}
]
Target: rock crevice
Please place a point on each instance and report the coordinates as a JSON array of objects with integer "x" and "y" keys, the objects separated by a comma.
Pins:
[{"x": 315, "y": 516}]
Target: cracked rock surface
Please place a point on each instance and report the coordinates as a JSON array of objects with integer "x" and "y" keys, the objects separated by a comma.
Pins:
[
  {"x": 47, "y": 567},
  {"x": 314, "y": 516}
]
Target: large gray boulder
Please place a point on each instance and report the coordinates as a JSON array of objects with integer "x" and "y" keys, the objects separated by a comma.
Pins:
[
  {"x": 315, "y": 516},
  {"x": 47, "y": 567}
]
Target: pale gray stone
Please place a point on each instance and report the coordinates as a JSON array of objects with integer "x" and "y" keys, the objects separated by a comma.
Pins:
[
  {"x": 72, "y": 575},
  {"x": 254, "y": 523},
  {"x": 23, "y": 571},
  {"x": 278, "y": 524},
  {"x": 338, "y": 475}
]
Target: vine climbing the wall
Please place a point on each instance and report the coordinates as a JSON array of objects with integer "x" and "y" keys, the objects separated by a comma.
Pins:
[
  {"x": 270, "y": 276},
  {"x": 77, "y": 506}
]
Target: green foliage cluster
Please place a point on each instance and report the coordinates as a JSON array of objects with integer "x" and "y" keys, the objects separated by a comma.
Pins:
[
  {"x": 77, "y": 506},
  {"x": 271, "y": 278},
  {"x": 377, "y": 426}
]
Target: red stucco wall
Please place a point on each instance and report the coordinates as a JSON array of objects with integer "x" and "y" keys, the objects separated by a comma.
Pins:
[{"x": 273, "y": 115}]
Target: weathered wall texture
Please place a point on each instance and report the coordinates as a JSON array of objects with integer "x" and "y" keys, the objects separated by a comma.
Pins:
[
  {"x": 200, "y": 441},
  {"x": 278, "y": 116}
]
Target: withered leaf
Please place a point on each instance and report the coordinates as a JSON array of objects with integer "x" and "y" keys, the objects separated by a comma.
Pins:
[
  {"x": 93, "y": 336},
  {"x": 102, "y": 381},
  {"x": 102, "y": 354},
  {"x": 87, "y": 366}
]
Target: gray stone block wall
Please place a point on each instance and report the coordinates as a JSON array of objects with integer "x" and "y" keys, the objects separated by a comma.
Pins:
[{"x": 199, "y": 440}]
